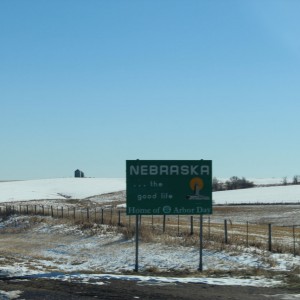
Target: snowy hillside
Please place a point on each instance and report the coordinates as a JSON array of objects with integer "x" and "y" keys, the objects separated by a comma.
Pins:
[
  {"x": 274, "y": 194},
  {"x": 80, "y": 188},
  {"x": 60, "y": 188}
]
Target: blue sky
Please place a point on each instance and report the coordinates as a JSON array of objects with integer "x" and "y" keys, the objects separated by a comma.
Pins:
[{"x": 89, "y": 84}]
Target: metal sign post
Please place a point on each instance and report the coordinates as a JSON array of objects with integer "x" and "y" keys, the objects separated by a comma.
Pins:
[
  {"x": 201, "y": 245},
  {"x": 136, "y": 269}
]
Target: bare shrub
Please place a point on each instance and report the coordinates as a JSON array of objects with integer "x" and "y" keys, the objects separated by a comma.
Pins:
[
  {"x": 127, "y": 231},
  {"x": 146, "y": 234},
  {"x": 293, "y": 278}
]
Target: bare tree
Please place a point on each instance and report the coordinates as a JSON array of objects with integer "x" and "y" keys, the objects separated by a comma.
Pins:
[
  {"x": 284, "y": 180},
  {"x": 238, "y": 183},
  {"x": 217, "y": 185},
  {"x": 296, "y": 179}
]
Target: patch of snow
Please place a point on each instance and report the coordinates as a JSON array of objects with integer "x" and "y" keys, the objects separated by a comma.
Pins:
[
  {"x": 10, "y": 295},
  {"x": 283, "y": 296},
  {"x": 157, "y": 280}
]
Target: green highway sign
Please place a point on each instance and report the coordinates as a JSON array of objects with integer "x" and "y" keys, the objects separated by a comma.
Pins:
[{"x": 169, "y": 187}]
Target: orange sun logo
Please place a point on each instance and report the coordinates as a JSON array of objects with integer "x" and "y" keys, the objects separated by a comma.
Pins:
[{"x": 196, "y": 183}]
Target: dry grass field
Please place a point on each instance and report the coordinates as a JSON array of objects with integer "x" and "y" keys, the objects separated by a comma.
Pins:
[{"x": 262, "y": 226}]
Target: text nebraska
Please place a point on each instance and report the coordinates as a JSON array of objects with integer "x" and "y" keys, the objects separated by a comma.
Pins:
[{"x": 154, "y": 170}]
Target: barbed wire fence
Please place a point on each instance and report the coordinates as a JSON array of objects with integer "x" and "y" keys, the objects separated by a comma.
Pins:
[{"x": 268, "y": 236}]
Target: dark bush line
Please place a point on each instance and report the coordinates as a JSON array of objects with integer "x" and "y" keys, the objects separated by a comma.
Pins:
[{"x": 235, "y": 183}]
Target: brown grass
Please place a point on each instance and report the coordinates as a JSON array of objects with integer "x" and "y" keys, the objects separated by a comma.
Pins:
[{"x": 177, "y": 230}]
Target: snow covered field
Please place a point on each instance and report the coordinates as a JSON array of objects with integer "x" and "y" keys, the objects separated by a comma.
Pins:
[
  {"x": 80, "y": 188},
  {"x": 54, "y": 249},
  {"x": 58, "y": 188},
  {"x": 261, "y": 195}
]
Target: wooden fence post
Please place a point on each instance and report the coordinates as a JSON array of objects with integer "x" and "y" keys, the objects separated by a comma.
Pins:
[
  {"x": 247, "y": 234},
  {"x": 270, "y": 237},
  {"x": 225, "y": 232},
  {"x": 164, "y": 223},
  {"x": 192, "y": 225},
  {"x": 209, "y": 227},
  {"x": 102, "y": 215},
  {"x": 294, "y": 240}
]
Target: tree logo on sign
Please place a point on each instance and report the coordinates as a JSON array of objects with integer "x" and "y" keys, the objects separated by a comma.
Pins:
[{"x": 196, "y": 185}]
